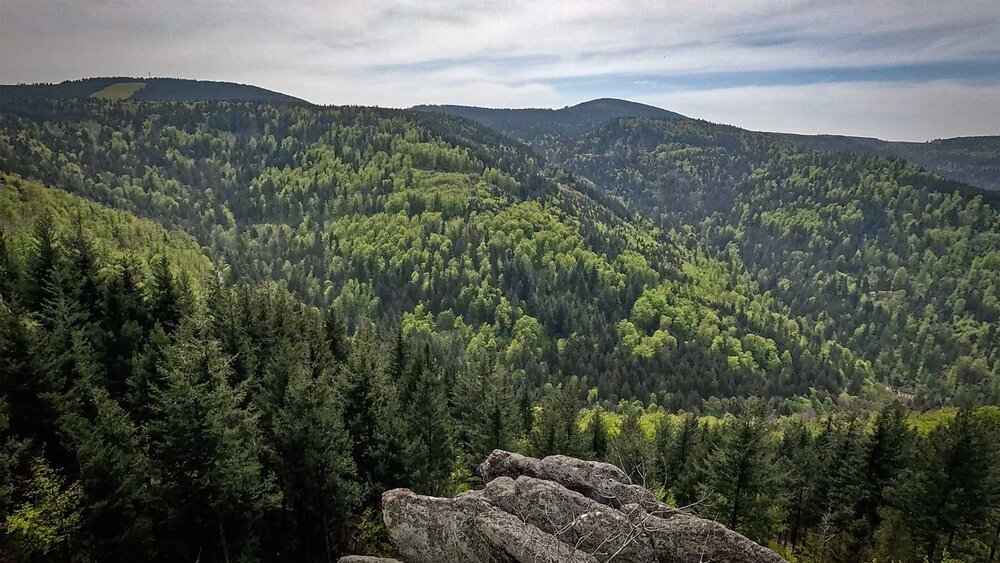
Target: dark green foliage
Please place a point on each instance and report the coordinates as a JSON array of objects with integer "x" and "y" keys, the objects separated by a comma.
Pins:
[
  {"x": 598, "y": 434},
  {"x": 740, "y": 483},
  {"x": 629, "y": 449},
  {"x": 942, "y": 502}
]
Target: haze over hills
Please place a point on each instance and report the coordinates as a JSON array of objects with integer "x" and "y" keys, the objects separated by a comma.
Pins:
[{"x": 971, "y": 160}]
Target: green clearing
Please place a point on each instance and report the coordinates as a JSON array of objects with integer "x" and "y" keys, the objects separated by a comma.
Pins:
[{"x": 118, "y": 91}]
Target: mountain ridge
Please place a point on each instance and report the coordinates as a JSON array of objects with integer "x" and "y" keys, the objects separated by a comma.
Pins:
[{"x": 150, "y": 89}]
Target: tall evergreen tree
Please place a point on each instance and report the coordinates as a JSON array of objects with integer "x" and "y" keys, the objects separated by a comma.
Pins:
[
  {"x": 371, "y": 416},
  {"x": 629, "y": 449},
  {"x": 208, "y": 453},
  {"x": 42, "y": 265},
  {"x": 944, "y": 499},
  {"x": 742, "y": 487},
  {"x": 598, "y": 430}
]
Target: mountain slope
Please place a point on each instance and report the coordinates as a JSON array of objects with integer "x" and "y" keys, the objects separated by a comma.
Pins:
[
  {"x": 477, "y": 245},
  {"x": 889, "y": 260},
  {"x": 971, "y": 160},
  {"x": 531, "y": 125},
  {"x": 115, "y": 234},
  {"x": 145, "y": 89}
]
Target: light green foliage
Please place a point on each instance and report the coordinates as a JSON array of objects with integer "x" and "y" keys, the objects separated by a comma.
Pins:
[
  {"x": 50, "y": 513},
  {"x": 113, "y": 233}
]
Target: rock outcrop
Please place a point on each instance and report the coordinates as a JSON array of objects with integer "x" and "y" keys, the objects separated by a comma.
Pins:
[{"x": 556, "y": 509}]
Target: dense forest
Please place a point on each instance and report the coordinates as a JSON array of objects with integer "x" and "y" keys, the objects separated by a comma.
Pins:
[
  {"x": 972, "y": 160},
  {"x": 886, "y": 259},
  {"x": 227, "y": 327}
]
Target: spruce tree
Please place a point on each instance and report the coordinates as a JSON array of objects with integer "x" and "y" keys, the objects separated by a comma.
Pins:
[
  {"x": 629, "y": 448},
  {"x": 742, "y": 487},
  {"x": 598, "y": 430},
  {"x": 207, "y": 451},
  {"x": 164, "y": 295},
  {"x": 114, "y": 474},
  {"x": 42, "y": 264},
  {"x": 315, "y": 467},
  {"x": 372, "y": 417}
]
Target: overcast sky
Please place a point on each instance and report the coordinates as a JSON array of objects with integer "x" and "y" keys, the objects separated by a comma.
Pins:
[{"x": 897, "y": 69}]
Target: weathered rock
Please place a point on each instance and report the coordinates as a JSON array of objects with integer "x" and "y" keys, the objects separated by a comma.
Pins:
[
  {"x": 603, "y": 482},
  {"x": 366, "y": 559},
  {"x": 556, "y": 509},
  {"x": 467, "y": 528}
]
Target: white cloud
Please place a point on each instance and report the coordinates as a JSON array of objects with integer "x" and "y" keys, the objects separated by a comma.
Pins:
[
  {"x": 501, "y": 53},
  {"x": 905, "y": 112}
]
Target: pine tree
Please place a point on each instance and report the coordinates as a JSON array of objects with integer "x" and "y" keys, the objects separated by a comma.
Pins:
[
  {"x": 485, "y": 414},
  {"x": 371, "y": 415},
  {"x": 164, "y": 295},
  {"x": 886, "y": 452},
  {"x": 555, "y": 430},
  {"x": 799, "y": 453},
  {"x": 82, "y": 266},
  {"x": 42, "y": 265},
  {"x": 317, "y": 473},
  {"x": 114, "y": 473},
  {"x": 629, "y": 449},
  {"x": 8, "y": 275},
  {"x": 123, "y": 322},
  {"x": 944, "y": 498},
  {"x": 598, "y": 430},
  {"x": 336, "y": 337},
  {"x": 207, "y": 451},
  {"x": 430, "y": 449},
  {"x": 663, "y": 439},
  {"x": 742, "y": 487}
]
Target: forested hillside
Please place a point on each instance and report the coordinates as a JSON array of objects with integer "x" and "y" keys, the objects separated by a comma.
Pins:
[
  {"x": 532, "y": 125},
  {"x": 892, "y": 262},
  {"x": 464, "y": 237},
  {"x": 971, "y": 160}
]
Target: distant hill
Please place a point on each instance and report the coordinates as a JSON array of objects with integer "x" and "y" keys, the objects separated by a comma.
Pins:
[
  {"x": 143, "y": 89},
  {"x": 971, "y": 160},
  {"x": 533, "y": 123}
]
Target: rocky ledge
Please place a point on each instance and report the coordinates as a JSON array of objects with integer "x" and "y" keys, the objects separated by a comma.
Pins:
[{"x": 556, "y": 509}]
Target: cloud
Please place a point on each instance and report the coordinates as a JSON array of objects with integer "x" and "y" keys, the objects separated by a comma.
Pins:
[
  {"x": 514, "y": 52},
  {"x": 904, "y": 112}
]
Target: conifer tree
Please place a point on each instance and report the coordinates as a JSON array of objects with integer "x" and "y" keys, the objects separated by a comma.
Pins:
[
  {"x": 598, "y": 430},
  {"x": 207, "y": 450},
  {"x": 41, "y": 267},
  {"x": 629, "y": 447},
  {"x": 164, "y": 295},
  {"x": 316, "y": 471},
  {"x": 371, "y": 416},
  {"x": 743, "y": 489},
  {"x": 114, "y": 473}
]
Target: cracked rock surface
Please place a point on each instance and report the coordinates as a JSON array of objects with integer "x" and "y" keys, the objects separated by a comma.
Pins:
[{"x": 556, "y": 509}]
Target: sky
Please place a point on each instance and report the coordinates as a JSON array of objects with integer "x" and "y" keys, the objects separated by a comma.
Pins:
[{"x": 894, "y": 69}]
